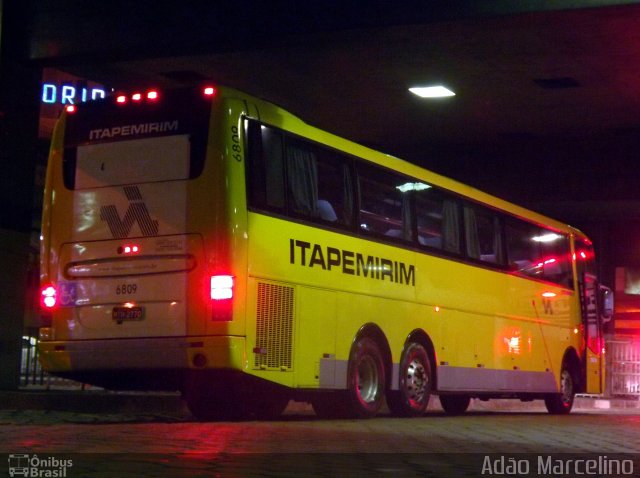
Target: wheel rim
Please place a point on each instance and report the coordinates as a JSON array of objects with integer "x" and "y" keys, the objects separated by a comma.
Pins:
[
  {"x": 566, "y": 387},
  {"x": 368, "y": 380},
  {"x": 417, "y": 381}
]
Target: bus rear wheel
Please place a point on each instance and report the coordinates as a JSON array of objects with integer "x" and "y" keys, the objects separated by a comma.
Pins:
[
  {"x": 562, "y": 403},
  {"x": 365, "y": 379},
  {"x": 455, "y": 404},
  {"x": 412, "y": 398}
]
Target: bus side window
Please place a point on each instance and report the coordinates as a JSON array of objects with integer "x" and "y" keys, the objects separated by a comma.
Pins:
[
  {"x": 384, "y": 207},
  {"x": 265, "y": 167},
  {"x": 523, "y": 252},
  {"x": 437, "y": 220},
  {"x": 319, "y": 183},
  {"x": 483, "y": 235},
  {"x": 556, "y": 258},
  {"x": 539, "y": 253}
]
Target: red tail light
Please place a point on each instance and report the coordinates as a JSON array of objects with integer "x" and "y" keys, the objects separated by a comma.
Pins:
[
  {"x": 221, "y": 287},
  {"x": 221, "y": 293},
  {"x": 48, "y": 297},
  {"x": 209, "y": 91}
]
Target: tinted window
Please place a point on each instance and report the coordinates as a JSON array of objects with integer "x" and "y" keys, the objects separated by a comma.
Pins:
[
  {"x": 300, "y": 178},
  {"x": 538, "y": 252},
  {"x": 384, "y": 203},
  {"x": 483, "y": 235},
  {"x": 437, "y": 219},
  {"x": 266, "y": 167}
]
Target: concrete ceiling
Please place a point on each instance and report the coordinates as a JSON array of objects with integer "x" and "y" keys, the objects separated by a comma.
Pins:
[{"x": 557, "y": 88}]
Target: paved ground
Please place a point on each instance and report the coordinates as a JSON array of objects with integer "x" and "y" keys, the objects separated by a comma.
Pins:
[{"x": 155, "y": 436}]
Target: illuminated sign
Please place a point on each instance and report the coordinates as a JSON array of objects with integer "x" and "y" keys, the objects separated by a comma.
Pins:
[{"x": 69, "y": 94}]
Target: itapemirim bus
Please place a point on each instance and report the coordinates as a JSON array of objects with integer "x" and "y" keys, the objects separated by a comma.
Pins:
[{"x": 206, "y": 241}]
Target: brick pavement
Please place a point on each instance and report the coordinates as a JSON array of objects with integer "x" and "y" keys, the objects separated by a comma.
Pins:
[{"x": 165, "y": 441}]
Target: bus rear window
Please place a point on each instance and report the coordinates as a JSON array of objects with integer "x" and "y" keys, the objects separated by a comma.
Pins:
[
  {"x": 106, "y": 144},
  {"x": 161, "y": 158}
]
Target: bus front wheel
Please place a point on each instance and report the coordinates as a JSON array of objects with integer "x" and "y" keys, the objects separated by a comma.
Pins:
[
  {"x": 561, "y": 403},
  {"x": 365, "y": 379},
  {"x": 412, "y": 398}
]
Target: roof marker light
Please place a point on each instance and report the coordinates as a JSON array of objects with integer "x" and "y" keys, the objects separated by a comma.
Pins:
[
  {"x": 152, "y": 95},
  {"x": 121, "y": 99},
  {"x": 209, "y": 91},
  {"x": 136, "y": 97}
]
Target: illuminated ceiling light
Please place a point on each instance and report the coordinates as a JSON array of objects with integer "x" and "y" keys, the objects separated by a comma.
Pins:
[
  {"x": 437, "y": 91},
  {"x": 412, "y": 187},
  {"x": 547, "y": 237}
]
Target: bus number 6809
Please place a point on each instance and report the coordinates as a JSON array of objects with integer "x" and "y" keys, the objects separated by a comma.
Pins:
[{"x": 126, "y": 289}]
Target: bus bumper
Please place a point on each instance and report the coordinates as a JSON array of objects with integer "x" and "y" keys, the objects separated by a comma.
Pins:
[{"x": 174, "y": 353}]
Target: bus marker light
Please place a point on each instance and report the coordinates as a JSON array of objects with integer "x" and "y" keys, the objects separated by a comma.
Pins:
[
  {"x": 121, "y": 99},
  {"x": 71, "y": 108},
  {"x": 209, "y": 91},
  {"x": 129, "y": 249},
  {"x": 48, "y": 297},
  {"x": 548, "y": 294},
  {"x": 152, "y": 95},
  {"x": 136, "y": 97}
]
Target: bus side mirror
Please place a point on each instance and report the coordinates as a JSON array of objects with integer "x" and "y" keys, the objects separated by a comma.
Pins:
[{"x": 606, "y": 303}]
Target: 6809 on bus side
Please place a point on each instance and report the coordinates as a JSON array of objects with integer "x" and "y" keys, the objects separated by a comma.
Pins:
[{"x": 207, "y": 241}]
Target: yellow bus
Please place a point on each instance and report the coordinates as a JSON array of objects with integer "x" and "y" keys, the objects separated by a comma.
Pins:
[{"x": 206, "y": 241}]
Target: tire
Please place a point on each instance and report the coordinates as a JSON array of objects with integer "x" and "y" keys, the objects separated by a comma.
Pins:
[
  {"x": 455, "y": 404},
  {"x": 412, "y": 398},
  {"x": 365, "y": 379},
  {"x": 562, "y": 403}
]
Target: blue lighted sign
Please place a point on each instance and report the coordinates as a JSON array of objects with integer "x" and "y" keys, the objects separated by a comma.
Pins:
[{"x": 69, "y": 94}]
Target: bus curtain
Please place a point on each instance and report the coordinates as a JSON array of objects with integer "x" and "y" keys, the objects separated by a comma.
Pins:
[{"x": 302, "y": 177}]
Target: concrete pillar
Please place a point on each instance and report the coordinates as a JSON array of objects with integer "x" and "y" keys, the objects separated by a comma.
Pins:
[{"x": 19, "y": 111}]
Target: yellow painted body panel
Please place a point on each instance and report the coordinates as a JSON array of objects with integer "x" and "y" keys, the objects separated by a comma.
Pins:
[{"x": 474, "y": 316}]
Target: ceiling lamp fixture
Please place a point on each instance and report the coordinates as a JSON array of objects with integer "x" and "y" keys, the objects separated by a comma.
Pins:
[{"x": 437, "y": 91}]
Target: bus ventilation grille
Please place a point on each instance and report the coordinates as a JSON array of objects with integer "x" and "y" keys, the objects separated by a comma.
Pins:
[{"x": 274, "y": 327}]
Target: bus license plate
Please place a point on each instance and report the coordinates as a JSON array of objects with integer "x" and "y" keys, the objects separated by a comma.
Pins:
[{"x": 121, "y": 314}]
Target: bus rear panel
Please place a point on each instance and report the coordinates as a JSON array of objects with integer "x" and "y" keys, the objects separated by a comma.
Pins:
[{"x": 126, "y": 269}]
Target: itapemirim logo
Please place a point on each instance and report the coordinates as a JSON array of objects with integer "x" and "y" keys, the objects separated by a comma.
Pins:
[
  {"x": 38, "y": 467},
  {"x": 136, "y": 212}
]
